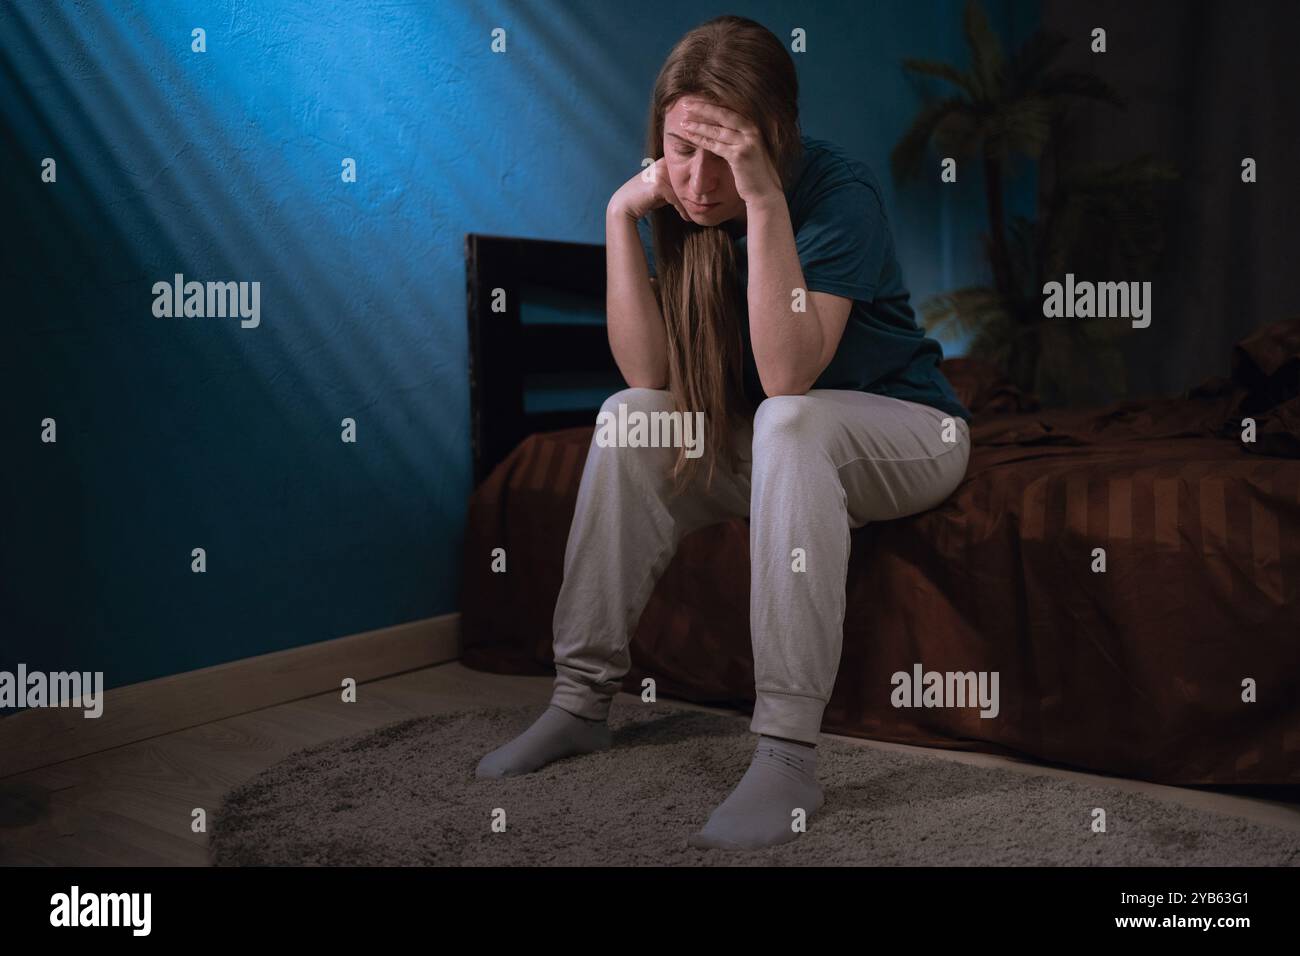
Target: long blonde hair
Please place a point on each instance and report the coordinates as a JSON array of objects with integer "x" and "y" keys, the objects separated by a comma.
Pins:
[{"x": 739, "y": 64}]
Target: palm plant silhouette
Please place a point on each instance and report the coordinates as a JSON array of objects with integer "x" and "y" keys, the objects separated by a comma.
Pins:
[{"x": 1093, "y": 219}]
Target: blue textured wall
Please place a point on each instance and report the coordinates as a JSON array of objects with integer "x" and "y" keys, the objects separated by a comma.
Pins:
[{"x": 224, "y": 165}]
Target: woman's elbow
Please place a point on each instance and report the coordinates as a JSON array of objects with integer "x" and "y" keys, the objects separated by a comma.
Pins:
[
  {"x": 785, "y": 385},
  {"x": 638, "y": 381},
  {"x": 642, "y": 374}
]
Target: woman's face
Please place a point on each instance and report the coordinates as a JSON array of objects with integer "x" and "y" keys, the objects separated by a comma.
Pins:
[{"x": 701, "y": 179}]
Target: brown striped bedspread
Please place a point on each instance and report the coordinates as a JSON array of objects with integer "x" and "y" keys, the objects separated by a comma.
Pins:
[{"x": 1138, "y": 670}]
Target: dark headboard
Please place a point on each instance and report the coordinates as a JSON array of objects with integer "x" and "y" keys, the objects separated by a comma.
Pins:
[{"x": 543, "y": 362}]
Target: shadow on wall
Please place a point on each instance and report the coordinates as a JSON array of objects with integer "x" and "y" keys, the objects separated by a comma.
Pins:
[
  {"x": 1210, "y": 84},
  {"x": 183, "y": 433}
]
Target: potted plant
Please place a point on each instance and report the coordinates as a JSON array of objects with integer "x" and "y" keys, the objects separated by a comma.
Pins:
[{"x": 1092, "y": 220}]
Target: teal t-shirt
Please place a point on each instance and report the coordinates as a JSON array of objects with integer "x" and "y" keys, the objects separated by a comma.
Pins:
[{"x": 845, "y": 247}]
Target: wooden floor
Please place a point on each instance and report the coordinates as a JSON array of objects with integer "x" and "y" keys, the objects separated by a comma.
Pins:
[{"x": 132, "y": 805}]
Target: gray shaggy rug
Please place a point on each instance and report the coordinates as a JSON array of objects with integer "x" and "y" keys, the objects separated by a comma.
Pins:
[{"x": 406, "y": 794}]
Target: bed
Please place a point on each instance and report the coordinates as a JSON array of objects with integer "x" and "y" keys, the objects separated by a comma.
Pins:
[{"x": 1139, "y": 670}]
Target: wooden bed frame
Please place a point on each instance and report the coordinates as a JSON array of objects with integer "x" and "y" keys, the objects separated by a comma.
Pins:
[{"x": 505, "y": 353}]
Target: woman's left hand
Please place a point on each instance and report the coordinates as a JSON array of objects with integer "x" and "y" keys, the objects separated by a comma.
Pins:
[{"x": 738, "y": 141}]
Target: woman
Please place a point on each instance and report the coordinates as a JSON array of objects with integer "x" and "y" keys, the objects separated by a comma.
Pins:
[{"x": 778, "y": 309}]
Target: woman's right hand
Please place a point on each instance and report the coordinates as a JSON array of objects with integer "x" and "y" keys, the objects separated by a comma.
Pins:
[{"x": 647, "y": 190}]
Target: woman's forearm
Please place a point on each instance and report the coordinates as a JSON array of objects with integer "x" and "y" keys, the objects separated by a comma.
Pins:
[
  {"x": 637, "y": 336},
  {"x": 787, "y": 344}
]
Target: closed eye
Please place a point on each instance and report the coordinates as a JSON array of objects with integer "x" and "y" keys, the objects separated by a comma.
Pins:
[{"x": 682, "y": 147}]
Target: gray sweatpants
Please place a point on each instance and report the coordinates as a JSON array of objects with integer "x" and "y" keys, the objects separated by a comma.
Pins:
[{"x": 811, "y": 467}]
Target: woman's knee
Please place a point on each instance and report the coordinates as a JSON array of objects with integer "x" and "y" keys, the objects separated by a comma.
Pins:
[
  {"x": 785, "y": 419},
  {"x": 623, "y": 433}
]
